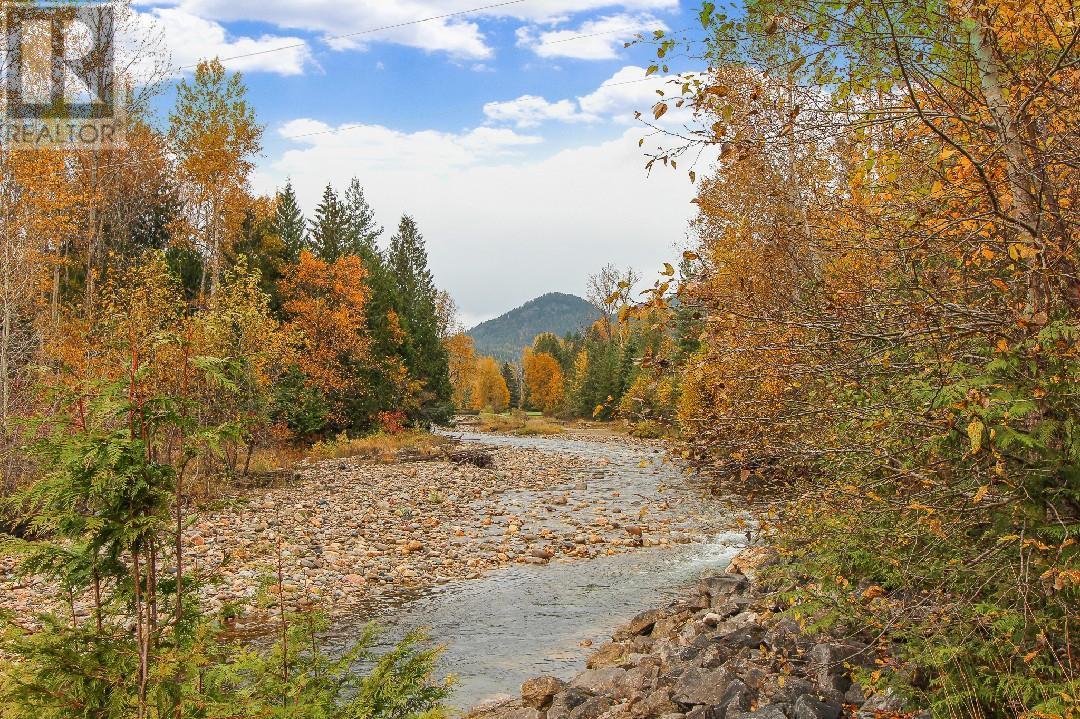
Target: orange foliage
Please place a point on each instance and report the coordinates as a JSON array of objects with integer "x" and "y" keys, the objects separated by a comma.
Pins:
[
  {"x": 325, "y": 306},
  {"x": 543, "y": 381}
]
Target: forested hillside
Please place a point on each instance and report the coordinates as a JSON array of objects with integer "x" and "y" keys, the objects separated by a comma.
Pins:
[{"x": 507, "y": 335}]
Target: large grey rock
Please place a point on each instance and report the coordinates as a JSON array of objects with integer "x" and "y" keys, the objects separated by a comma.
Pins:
[
  {"x": 639, "y": 680},
  {"x": 591, "y": 708},
  {"x": 808, "y": 707},
  {"x": 884, "y": 702},
  {"x": 701, "y": 686},
  {"x": 563, "y": 703},
  {"x": 599, "y": 681},
  {"x": 785, "y": 689},
  {"x": 539, "y": 691},
  {"x": 737, "y": 697},
  {"x": 720, "y": 588},
  {"x": 655, "y": 704},
  {"x": 641, "y": 624},
  {"x": 827, "y": 669}
]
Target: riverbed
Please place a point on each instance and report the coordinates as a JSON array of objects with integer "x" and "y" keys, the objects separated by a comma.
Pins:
[{"x": 524, "y": 620}]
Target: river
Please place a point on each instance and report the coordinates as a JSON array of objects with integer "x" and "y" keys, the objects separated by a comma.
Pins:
[{"x": 525, "y": 620}]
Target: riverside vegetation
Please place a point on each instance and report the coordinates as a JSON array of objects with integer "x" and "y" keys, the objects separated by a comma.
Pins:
[{"x": 873, "y": 334}]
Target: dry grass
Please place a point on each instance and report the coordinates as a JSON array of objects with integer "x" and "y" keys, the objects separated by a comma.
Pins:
[
  {"x": 518, "y": 423},
  {"x": 381, "y": 447}
]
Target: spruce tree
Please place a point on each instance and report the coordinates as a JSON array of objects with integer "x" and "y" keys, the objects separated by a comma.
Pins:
[
  {"x": 289, "y": 224},
  {"x": 330, "y": 227},
  {"x": 363, "y": 232},
  {"x": 425, "y": 356},
  {"x": 509, "y": 373}
]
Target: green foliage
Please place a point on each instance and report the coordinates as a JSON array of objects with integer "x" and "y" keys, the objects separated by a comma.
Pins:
[
  {"x": 289, "y": 225},
  {"x": 425, "y": 355}
]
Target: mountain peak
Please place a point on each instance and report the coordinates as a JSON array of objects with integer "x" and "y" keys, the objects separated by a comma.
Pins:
[{"x": 507, "y": 335}]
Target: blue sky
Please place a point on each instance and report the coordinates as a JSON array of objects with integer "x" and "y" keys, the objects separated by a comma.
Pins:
[{"x": 507, "y": 132}]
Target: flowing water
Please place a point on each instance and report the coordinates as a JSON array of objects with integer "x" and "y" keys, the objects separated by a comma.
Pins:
[{"x": 525, "y": 620}]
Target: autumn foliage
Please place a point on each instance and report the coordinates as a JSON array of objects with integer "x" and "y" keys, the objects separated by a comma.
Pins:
[{"x": 886, "y": 267}]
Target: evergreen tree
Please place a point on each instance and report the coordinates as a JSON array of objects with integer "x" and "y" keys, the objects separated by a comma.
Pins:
[
  {"x": 289, "y": 224},
  {"x": 330, "y": 228},
  {"x": 425, "y": 355},
  {"x": 363, "y": 232},
  {"x": 509, "y": 373}
]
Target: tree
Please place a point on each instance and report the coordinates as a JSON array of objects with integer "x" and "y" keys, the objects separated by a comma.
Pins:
[
  {"x": 289, "y": 224},
  {"x": 417, "y": 300},
  {"x": 461, "y": 353},
  {"x": 330, "y": 230},
  {"x": 363, "y": 231},
  {"x": 325, "y": 306},
  {"x": 611, "y": 288},
  {"x": 513, "y": 385},
  {"x": 489, "y": 387},
  {"x": 543, "y": 381},
  {"x": 214, "y": 134}
]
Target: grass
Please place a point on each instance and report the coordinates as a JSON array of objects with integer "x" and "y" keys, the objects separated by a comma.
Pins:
[
  {"x": 380, "y": 446},
  {"x": 518, "y": 423}
]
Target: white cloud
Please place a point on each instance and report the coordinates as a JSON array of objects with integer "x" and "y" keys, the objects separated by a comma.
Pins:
[
  {"x": 189, "y": 38},
  {"x": 370, "y": 21},
  {"x": 503, "y": 225},
  {"x": 531, "y": 110},
  {"x": 628, "y": 91},
  {"x": 362, "y": 21},
  {"x": 597, "y": 39}
]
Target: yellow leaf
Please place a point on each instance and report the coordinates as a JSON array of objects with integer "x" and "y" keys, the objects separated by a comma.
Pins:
[
  {"x": 980, "y": 495},
  {"x": 659, "y": 110},
  {"x": 975, "y": 434}
]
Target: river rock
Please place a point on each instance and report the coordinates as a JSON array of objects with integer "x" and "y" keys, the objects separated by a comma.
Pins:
[
  {"x": 591, "y": 708},
  {"x": 641, "y": 624},
  {"x": 807, "y": 707},
  {"x": 701, "y": 686},
  {"x": 539, "y": 691},
  {"x": 599, "y": 681},
  {"x": 563, "y": 703}
]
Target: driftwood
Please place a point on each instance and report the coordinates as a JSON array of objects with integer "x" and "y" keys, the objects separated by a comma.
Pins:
[{"x": 476, "y": 457}]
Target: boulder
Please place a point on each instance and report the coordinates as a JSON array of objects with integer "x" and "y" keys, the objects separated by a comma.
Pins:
[
  {"x": 720, "y": 588},
  {"x": 599, "y": 681},
  {"x": 883, "y": 702},
  {"x": 656, "y": 704},
  {"x": 641, "y": 624},
  {"x": 701, "y": 686},
  {"x": 591, "y": 708},
  {"x": 538, "y": 692},
  {"x": 827, "y": 669},
  {"x": 639, "y": 680},
  {"x": 808, "y": 707},
  {"x": 606, "y": 655},
  {"x": 564, "y": 703}
]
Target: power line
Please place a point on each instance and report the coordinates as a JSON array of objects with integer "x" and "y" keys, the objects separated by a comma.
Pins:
[{"x": 364, "y": 32}]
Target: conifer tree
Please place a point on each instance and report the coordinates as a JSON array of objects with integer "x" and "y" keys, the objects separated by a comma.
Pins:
[
  {"x": 289, "y": 224},
  {"x": 363, "y": 232},
  {"x": 425, "y": 355},
  {"x": 509, "y": 373},
  {"x": 330, "y": 227}
]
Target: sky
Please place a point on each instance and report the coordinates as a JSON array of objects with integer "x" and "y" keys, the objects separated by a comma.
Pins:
[{"x": 506, "y": 129}]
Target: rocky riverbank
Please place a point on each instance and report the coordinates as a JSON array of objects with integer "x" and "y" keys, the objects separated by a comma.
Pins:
[
  {"x": 355, "y": 533},
  {"x": 722, "y": 651}
]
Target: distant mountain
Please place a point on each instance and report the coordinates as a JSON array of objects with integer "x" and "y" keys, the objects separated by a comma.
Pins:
[{"x": 505, "y": 337}]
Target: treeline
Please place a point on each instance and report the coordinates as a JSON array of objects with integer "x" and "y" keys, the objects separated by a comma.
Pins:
[
  {"x": 155, "y": 253},
  {"x": 627, "y": 365},
  {"x": 885, "y": 291},
  {"x": 161, "y": 323}
]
